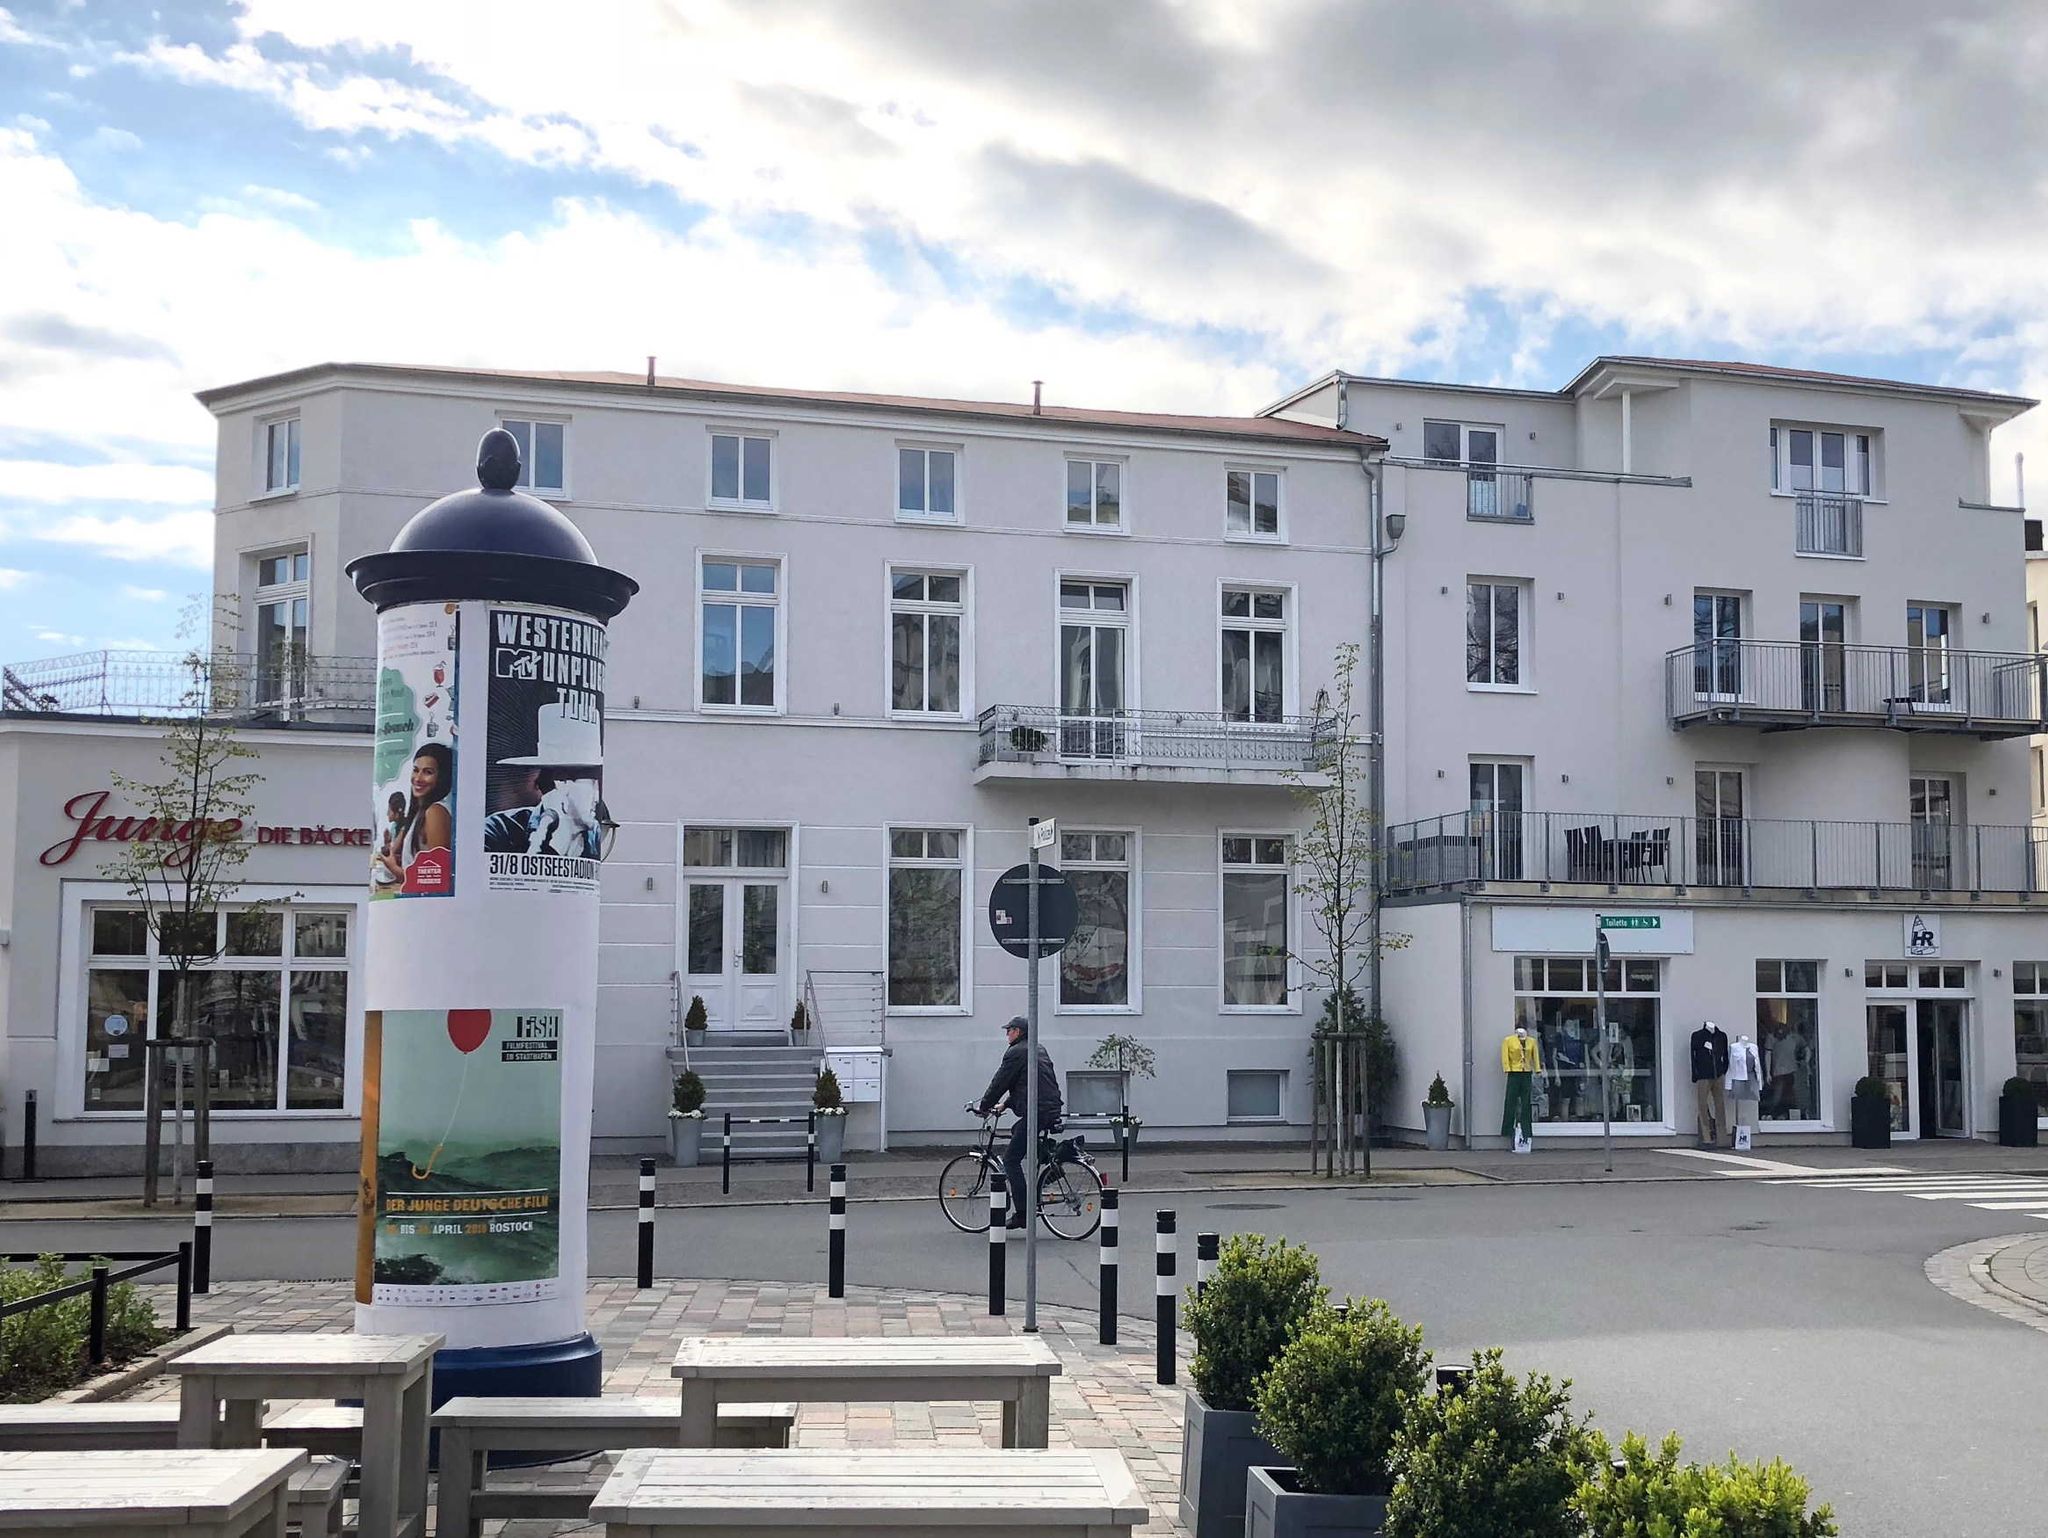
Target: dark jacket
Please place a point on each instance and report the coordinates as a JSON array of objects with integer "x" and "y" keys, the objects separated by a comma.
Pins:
[
  {"x": 1009, "y": 1080},
  {"x": 1709, "y": 1054}
]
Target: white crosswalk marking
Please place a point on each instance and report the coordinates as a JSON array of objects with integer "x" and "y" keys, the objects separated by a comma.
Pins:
[{"x": 2026, "y": 1194}]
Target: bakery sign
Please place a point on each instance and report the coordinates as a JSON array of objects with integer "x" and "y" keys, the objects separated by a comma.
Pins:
[{"x": 92, "y": 823}]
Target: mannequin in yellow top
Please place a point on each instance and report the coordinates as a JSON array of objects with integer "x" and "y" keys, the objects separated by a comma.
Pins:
[{"x": 1520, "y": 1059}]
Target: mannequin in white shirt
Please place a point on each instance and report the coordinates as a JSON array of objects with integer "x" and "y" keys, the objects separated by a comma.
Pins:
[{"x": 1745, "y": 1079}]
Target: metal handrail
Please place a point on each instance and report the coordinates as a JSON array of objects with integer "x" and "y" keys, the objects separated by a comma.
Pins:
[
  {"x": 870, "y": 983},
  {"x": 1828, "y": 522},
  {"x": 1929, "y": 687},
  {"x": 1647, "y": 850},
  {"x": 1048, "y": 733},
  {"x": 286, "y": 682}
]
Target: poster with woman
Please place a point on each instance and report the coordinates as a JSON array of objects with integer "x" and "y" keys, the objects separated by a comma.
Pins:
[{"x": 413, "y": 782}]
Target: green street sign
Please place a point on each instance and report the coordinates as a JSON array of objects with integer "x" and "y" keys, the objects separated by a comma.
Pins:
[{"x": 1630, "y": 921}]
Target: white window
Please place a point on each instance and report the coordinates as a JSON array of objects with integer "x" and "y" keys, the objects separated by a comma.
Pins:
[
  {"x": 269, "y": 986},
  {"x": 1496, "y": 632},
  {"x": 1556, "y": 999},
  {"x": 741, "y": 470},
  {"x": 1254, "y": 654},
  {"x": 1461, "y": 442},
  {"x": 1717, "y": 645},
  {"x": 2030, "y": 1029},
  {"x": 1255, "y": 1094},
  {"x": 1823, "y": 459},
  {"x": 1094, "y": 663},
  {"x": 1251, "y": 504},
  {"x": 927, "y": 484},
  {"x": 927, "y": 622},
  {"x": 281, "y": 455},
  {"x": 927, "y": 907},
  {"x": 1095, "y": 495},
  {"x": 739, "y": 631},
  {"x": 1930, "y": 635},
  {"x": 543, "y": 448},
  {"x": 283, "y": 583},
  {"x": 1257, "y": 922},
  {"x": 1096, "y": 967}
]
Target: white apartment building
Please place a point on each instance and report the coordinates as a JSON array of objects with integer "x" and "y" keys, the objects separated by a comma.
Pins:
[{"x": 1734, "y": 654}]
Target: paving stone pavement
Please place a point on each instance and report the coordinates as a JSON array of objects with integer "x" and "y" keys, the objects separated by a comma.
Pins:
[
  {"x": 2007, "y": 1276},
  {"x": 1104, "y": 1398}
]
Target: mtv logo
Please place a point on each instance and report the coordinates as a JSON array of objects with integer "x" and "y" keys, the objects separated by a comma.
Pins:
[{"x": 517, "y": 662}]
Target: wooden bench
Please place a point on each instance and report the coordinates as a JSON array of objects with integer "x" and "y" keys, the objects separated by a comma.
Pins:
[
  {"x": 321, "y": 1429},
  {"x": 1016, "y": 1369},
  {"x": 313, "y": 1498},
  {"x": 172, "y": 1492},
  {"x": 931, "y": 1492},
  {"x": 473, "y": 1428}
]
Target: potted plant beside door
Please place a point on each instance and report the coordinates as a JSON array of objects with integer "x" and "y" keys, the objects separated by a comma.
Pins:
[
  {"x": 1870, "y": 1113},
  {"x": 1436, "y": 1114},
  {"x": 686, "y": 1119},
  {"x": 830, "y": 1107},
  {"x": 1258, "y": 1295},
  {"x": 695, "y": 1021},
  {"x": 2019, "y": 1111}
]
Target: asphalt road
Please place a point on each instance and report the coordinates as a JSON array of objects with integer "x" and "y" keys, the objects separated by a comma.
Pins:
[{"x": 1748, "y": 1315}]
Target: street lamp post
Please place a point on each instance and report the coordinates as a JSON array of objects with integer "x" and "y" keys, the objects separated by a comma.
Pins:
[{"x": 1386, "y": 531}]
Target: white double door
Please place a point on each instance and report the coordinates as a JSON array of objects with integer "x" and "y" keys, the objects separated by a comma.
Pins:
[{"x": 735, "y": 944}]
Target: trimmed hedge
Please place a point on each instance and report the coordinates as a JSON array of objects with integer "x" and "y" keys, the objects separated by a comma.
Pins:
[{"x": 43, "y": 1350}]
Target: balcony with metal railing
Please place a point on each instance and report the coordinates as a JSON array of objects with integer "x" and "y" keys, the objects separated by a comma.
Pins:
[
  {"x": 1040, "y": 742},
  {"x": 283, "y": 688},
  {"x": 1618, "y": 850},
  {"x": 1828, "y": 523},
  {"x": 1783, "y": 685}
]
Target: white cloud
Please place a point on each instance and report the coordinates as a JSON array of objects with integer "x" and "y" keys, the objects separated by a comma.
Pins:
[
  {"x": 143, "y": 594},
  {"x": 59, "y": 638},
  {"x": 120, "y": 140},
  {"x": 10, "y": 578},
  {"x": 183, "y": 538},
  {"x": 279, "y": 197},
  {"x": 28, "y": 480}
]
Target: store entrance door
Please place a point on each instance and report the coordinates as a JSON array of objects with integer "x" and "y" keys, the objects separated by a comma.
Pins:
[{"x": 1920, "y": 1048}]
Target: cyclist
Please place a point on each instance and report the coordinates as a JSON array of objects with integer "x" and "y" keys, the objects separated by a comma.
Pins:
[{"x": 1008, "y": 1085}]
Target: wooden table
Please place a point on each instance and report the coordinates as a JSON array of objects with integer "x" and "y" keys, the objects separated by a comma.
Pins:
[
  {"x": 393, "y": 1375},
  {"x": 932, "y": 1492},
  {"x": 143, "y": 1493},
  {"x": 1016, "y": 1369}
]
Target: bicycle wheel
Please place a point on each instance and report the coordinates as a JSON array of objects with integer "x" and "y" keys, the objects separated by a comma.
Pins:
[
  {"x": 963, "y": 1193},
  {"x": 1070, "y": 1199}
]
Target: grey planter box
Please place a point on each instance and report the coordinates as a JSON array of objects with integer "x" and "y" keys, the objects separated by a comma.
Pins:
[
  {"x": 1217, "y": 1447},
  {"x": 831, "y": 1139},
  {"x": 1436, "y": 1125},
  {"x": 1273, "y": 1508},
  {"x": 685, "y": 1139}
]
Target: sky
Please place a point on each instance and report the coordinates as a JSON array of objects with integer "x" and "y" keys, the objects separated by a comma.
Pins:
[{"x": 1152, "y": 204}]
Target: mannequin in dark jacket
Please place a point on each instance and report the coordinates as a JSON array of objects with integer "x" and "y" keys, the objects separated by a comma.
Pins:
[{"x": 1008, "y": 1085}]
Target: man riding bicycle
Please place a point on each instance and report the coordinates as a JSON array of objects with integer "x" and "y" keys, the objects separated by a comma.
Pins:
[{"x": 1009, "y": 1085}]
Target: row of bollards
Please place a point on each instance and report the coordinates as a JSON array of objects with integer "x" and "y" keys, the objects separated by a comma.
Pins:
[
  {"x": 835, "y": 1244},
  {"x": 810, "y": 1125}
]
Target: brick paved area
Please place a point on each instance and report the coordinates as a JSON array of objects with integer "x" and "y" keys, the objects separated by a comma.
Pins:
[
  {"x": 1105, "y": 1398},
  {"x": 2007, "y": 1276}
]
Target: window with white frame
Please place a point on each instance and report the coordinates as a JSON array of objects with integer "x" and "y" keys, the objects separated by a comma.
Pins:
[
  {"x": 1461, "y": 442},
  {"x": 1788, "y": 1039},
  {"x": 1251, "y": 504},
  {"x": 740, "y": 605},
  {"x": 2030, "y": 1029},
  {"x": 927, "y": 890},
  {"x": 267, "y": 986},
  {"x": 543, "y": 449},
  {"x": 1095, "y": 494},
  {"x": 1805, "y": 457},
  {"x": 283, "y": 585},
  {"x": 927, "y": 620},
  {"x": 1094, "y": 1092},
  {"x": 281, "y": 455},
  {"x": 1255, "y": 1094},
  {"x": 1555, "y": 998},
  {"x": 1095, "y": 967},
  {"x": 741, "y": 470},
  {"x": 927, "y": 484},
  {"x": 1496, "y": 632},
  {"x": 1257, "y": 921},
  {"x": 1254, "y": 654}
]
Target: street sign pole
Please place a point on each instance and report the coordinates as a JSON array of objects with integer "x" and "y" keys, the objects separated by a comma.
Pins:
[
  {"x": 1602, "y": 1044},
  {"x": 1027, "y": 1200}
]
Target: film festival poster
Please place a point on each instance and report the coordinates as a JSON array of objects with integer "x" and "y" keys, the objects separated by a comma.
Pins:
[
  {"x": 464, "y": 1197},
  {"x": 413, "y": 781},
  {"x": 542, "y": 831}
]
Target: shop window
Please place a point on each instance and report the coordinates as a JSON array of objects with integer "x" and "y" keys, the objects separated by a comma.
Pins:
[
  {"x": 1886, "y": 974},
  {"x": 1554, "y": 998},
  {"x": 2030, "y": 1027},
  {"x": 1093, "y": 1093},
  {"x": 1788, "y": 1039},
  {"x": 1095, "y": 967},
  {"x": 1255, "y": 1094},
  {"x": 280, "y": 1029}
]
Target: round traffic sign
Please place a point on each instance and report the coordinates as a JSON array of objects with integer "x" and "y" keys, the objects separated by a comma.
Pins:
[{"x": 1009, "y": 911}]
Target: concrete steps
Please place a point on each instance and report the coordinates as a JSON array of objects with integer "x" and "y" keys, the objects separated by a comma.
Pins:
[{"x": 754, "y": 1076}]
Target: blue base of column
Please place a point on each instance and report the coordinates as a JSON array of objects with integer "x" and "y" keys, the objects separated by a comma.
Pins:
[{"x": 555, "y": 1369}]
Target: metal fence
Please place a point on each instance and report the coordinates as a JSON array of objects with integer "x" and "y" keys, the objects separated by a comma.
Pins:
[
  {"x": 1022, "y": 734},
  {"x": 1499, "y": 496},
  {"x": 1623, "y": 850},
  {"x": 1829, "y": 523},
  {"x": 1929, "y": 688},
  {"x": 280, "y": 685}
]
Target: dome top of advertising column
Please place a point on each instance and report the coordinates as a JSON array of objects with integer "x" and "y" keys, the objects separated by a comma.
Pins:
[{"x": 494, "y": 542}]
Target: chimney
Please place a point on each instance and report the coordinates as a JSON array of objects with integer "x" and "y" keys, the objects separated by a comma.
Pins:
[
  {"x": 650, "y": 371},
  {"x": 1037, "y": 396}
]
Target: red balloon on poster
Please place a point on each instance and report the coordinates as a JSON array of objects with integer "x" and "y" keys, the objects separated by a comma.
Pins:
[{"x": 468, "y": 1028}]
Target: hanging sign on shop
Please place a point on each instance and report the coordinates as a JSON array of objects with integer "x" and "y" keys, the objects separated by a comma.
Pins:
[{"x": 92, "y": 822}]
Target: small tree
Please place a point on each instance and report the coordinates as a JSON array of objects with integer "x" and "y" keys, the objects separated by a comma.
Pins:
[
  {"x": 185, "y": 859},
  {"x": 1129, "y": 1057}
]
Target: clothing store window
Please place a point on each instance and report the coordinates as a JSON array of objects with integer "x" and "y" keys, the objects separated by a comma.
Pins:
[
  {"x": 2030, "y": 1027},
  {"x": 1095, "y": 968},
  {"x": 1554, "y": 998},
  {"x": 270, "y": 988},
  {"x": 927, "y": 876},
  {"x": 1788, "y": 1039}
]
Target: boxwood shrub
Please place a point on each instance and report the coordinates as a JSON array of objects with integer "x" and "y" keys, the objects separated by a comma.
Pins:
[{"x": 1258, "y": 1296}]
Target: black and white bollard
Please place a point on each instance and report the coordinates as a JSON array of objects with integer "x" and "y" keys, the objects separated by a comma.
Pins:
[
  {"x": 1106, "y": 1288},
  {"x": 646, "y": 1222},
  {"x": 1166, "y": 1257},
  {"x": 725, "y": 1158},
  {"x": 1207, "y": 1248},
  {"x": 998, "y": 1242},
  {"x": 835, "y": 1240},
  {"x": 202, "y": 1227},
  {"x": 811, "y": 1152}
]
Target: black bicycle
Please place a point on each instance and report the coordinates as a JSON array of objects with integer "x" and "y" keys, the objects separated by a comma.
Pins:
[{"x": 1069, "y": 1185}]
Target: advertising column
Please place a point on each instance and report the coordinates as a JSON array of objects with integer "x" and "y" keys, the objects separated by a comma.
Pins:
[{"x": 481, "y": 987}]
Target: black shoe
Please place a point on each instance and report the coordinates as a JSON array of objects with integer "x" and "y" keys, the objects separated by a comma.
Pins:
[{"x": 1015, "y": 1220}]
